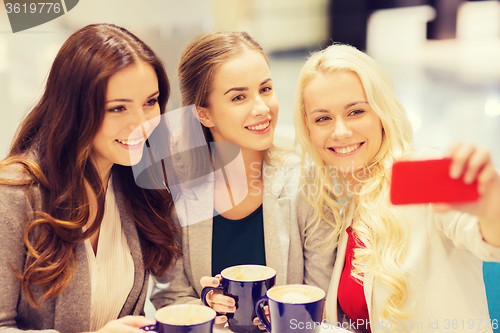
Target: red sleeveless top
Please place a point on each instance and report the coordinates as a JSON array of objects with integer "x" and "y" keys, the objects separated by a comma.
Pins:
[{"x": 351, "y": 296}]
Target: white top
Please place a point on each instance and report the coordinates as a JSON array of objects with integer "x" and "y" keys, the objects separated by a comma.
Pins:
[{"x": 111, "y": 269}]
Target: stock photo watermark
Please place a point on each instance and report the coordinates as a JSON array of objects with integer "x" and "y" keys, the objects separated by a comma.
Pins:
[
  {"x": 457, "y": 325},
  {"x": 195, "y": 169},
  {"x": 24, "y": 15}
]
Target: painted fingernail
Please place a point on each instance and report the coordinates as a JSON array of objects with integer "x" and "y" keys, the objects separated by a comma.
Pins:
[{"x": 455, "y": 173}]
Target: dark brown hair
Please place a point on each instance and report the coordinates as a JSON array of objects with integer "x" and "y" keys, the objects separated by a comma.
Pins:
[{"x": 54, "y": 145}]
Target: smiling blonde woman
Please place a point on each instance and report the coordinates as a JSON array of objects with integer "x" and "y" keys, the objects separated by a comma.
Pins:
[{"x": 397, "y": 268}]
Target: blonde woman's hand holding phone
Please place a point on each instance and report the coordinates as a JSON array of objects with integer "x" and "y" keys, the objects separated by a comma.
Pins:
[{"x": 475, "y": 164}]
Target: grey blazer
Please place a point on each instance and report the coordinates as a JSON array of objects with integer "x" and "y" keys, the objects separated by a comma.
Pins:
[
  {"x": 285, "y": 216},
  {"x": 70, "y": 311}
]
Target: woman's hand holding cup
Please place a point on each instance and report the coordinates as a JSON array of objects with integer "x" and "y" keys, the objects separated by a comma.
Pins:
[
  {"x": 256, "y": 320},
  {"x": 216, "y": 299},
  {"x": 244, "y": 284}
]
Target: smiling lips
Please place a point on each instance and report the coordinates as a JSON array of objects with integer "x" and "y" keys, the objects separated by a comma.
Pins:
[
  {"x": 346, "y": 150},
  {"x": 261, "y": 127},
  {"x": 131, "y": 144}
]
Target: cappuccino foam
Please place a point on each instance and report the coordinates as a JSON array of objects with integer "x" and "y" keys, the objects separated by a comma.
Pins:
[
  {"x": 248, "y": 273},
  {"x": 295, "y": 297},
  {"x": 296, "y": 294},
  {"x": 184, "y": 314}
]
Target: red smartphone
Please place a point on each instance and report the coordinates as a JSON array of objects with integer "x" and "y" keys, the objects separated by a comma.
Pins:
[{"x": 428, "y": 181}]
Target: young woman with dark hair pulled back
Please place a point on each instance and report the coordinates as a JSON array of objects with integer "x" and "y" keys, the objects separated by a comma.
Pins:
[{"x": 237, "y": 214}]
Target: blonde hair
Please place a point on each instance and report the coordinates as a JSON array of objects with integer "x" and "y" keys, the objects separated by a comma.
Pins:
[{"x": 377, "y": 223}]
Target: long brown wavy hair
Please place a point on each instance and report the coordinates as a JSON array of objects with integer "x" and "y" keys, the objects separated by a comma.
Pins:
[{"x": 54, "y": 146}]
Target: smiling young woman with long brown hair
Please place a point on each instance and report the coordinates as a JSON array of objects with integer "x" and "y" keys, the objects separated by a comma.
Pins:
[{"x": 79, "y": 237}]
